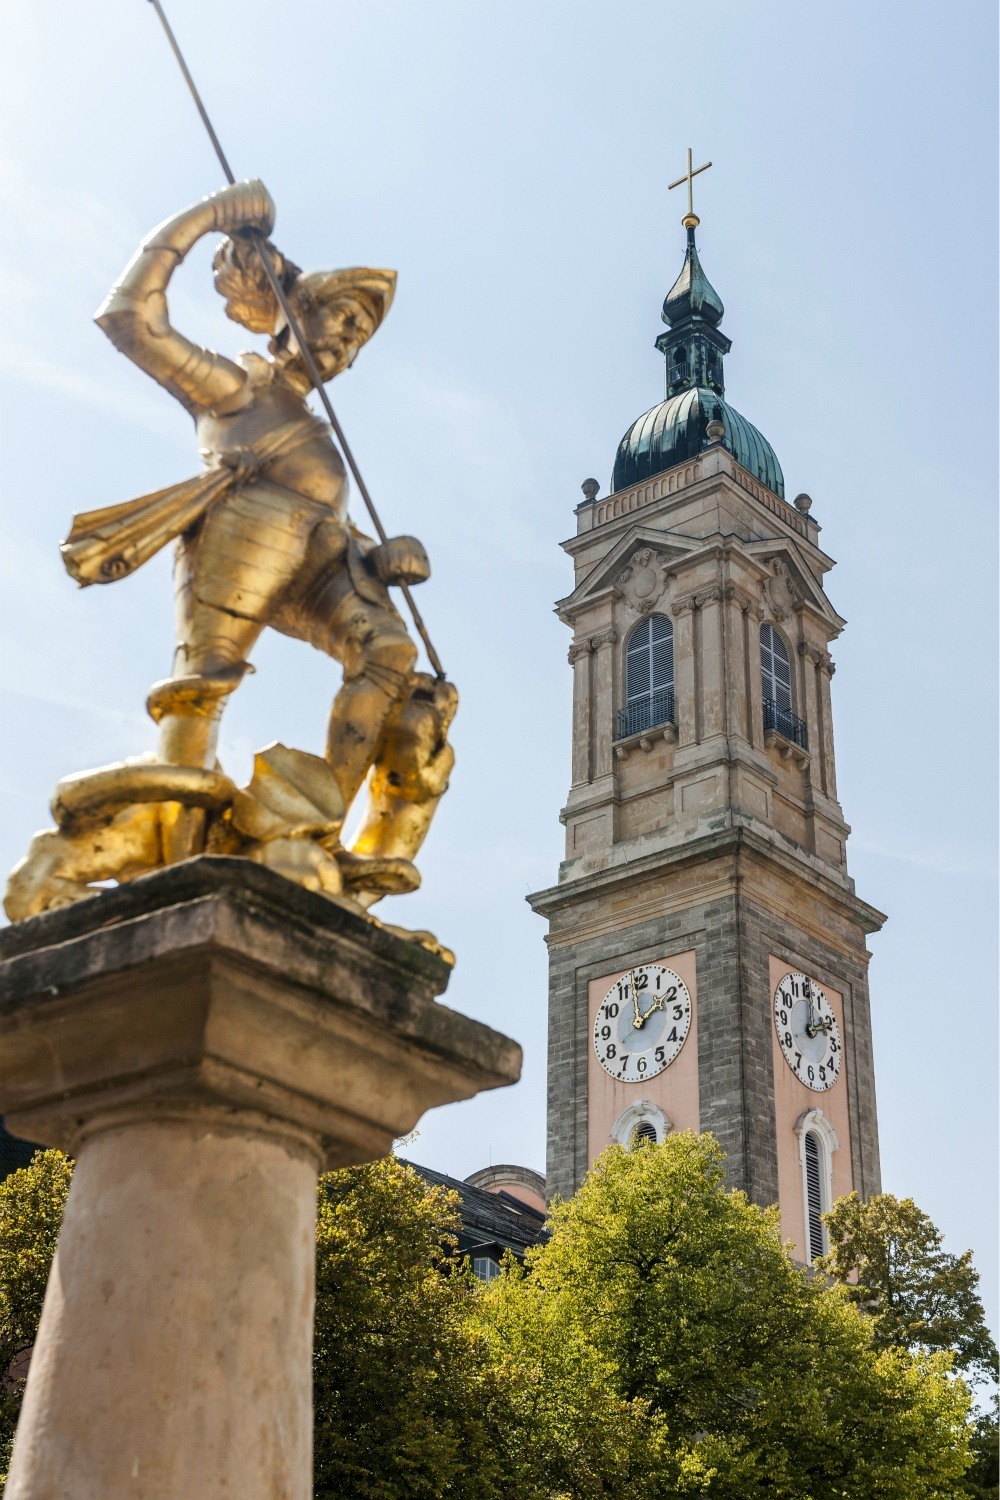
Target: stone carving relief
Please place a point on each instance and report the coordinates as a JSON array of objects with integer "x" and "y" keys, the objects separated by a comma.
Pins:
[
  {"x": 642, "y": 582},
  {"x": 780, "y": 591}
]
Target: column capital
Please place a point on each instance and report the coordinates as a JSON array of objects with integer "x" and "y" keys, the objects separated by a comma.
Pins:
[
  {"x": 219, "y": 988},
  {"x": 746, "y": 601},
  {"x": 698, "y": 599},
  {"x": 605, "y": 638},
  {"x": 818, "y": 657}
]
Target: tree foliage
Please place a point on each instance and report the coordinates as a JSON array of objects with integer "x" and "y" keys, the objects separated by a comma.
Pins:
[
  {"x": 889, "y": 1256},
  {"x": 31, "y": 1209},
  {"x": 729, "y": 1372},
  {"x": 661, "y": 1343},
  {"x": 401, "y": 1384}
]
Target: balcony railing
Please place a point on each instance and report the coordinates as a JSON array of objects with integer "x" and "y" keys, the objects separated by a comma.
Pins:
[
  {"x": 645, "y": 713},
  {"x": 785, "y": 722}
]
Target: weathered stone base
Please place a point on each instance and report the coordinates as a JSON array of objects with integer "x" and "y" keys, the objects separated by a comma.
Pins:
[{"x": 204, "y": 1040}]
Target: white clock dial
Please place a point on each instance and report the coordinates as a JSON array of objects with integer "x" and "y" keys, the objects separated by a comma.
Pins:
[
  {"x": 808, "y": 1033},
  {"x": 642, "y": 1023}
]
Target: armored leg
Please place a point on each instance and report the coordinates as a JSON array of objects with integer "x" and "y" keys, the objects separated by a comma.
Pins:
[{"x": 409, "y": 777}]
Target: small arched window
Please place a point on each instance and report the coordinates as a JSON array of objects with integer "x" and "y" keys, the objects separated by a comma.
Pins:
[
  {"x": 776, "y": 687},
  {"x": 649, "y": 677},
  {"x": 817, "y": 1142},
  {"x": 641, "y": 1124},
  {"x": 816, "y": 1177}
]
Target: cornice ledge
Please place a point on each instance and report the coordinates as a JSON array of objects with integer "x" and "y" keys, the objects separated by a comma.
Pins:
[{"x": 714, "y": 845}]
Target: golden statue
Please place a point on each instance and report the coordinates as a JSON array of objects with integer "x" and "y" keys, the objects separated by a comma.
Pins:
[{"x": 263, "y": 538}]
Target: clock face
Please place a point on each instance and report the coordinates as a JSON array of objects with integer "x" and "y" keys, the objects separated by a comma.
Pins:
[
  {"x": 807, "y": 1032},
  {"x": 642, "y": 1023}
]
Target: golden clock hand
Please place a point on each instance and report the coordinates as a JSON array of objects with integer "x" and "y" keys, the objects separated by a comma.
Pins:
[
  {"x": 637, "y": 1013},
  {"x": 656, "y": 1005}
]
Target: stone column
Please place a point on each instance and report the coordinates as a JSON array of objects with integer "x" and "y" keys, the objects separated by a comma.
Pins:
[
  {"x": 713, "y": 683},
  {"x": 826, "y": 671},
  {"x": 603, "y": 702},
  {"x": 810, "y": 658},
  {"x": 579, "y": 660},
  {"x": 685, "y": 674},
  {"x": 204, "y": 1041}
]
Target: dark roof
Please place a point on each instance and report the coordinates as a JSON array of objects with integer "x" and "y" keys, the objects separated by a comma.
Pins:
[
  {"x": 14, "y": 1153},
  {"x": 490, "y": 1221}
]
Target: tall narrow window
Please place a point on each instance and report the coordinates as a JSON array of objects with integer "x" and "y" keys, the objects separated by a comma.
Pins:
[
  {"x": 815, "y": 1194},
  {"x": 649, "y": 677},
  {"x": 776, "y": 687},
  {"x": 775, "y": 668}
]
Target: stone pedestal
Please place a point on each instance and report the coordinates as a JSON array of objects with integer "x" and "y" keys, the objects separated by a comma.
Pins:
[{"x": 204, "y": 1041}]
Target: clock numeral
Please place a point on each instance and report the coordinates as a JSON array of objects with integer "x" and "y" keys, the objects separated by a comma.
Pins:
[
  {"x": 783, "y": 1017},
  {"x": 611, "y": 1051},
  {"x": 605, "y": 1033},
  {"x": 660, "y": 1055},
  {"x": 642, "y": 981},
  {"x": 625, "y": 1058},
  {"x": 641, "y": 1065},
  {"x": 611, "y": 1010},
  {"x": 788, "y": 1039},
  {"x": 798, "y": 1059},
  {"x": 673, "y": 1034},
  {"x": 678, "y": 1012},
  {"x": 672, "y": 992}
]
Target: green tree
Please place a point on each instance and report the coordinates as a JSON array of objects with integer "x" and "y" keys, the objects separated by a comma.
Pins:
[
  {"x": 982, "y": 1481},
  {"x": 31, "y": 1209},
  {"x": 889, "y": 1257},
  {"x": 745, "y": 1377},
  {"x": 405, "y": 1396}
]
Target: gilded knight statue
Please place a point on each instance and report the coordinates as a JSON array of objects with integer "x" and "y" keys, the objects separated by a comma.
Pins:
[{"x": 262, "y": 538}]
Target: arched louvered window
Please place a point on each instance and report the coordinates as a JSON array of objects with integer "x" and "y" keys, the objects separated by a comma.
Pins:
[
  {"x": 815, "y": 1184},
  {"x": 775, "y": 668},
  {"x": 776, "y": 687},
  {"x": 644, "y": 1134},
  {"x": 649, "y": 677}
]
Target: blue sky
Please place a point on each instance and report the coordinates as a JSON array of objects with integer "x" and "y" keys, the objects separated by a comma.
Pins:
[{"x": 511, "y": 161}]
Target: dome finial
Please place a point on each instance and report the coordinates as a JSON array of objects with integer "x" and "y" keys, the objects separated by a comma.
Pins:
[{"x": 690, "y": 219}]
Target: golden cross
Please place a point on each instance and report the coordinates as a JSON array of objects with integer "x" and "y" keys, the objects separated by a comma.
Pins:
[{"x": 690, "y": 219}]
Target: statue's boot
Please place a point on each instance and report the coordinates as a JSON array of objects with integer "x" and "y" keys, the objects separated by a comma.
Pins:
[
  {"x": 188, "y": 711},
  {"x": 367, "y": 878}
]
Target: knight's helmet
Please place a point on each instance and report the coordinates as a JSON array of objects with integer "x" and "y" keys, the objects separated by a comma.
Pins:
[{"x": 337, "y": 310}]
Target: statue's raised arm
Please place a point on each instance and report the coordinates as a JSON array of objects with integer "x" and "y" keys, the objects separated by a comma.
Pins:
[{"x": 135, "y": 317}]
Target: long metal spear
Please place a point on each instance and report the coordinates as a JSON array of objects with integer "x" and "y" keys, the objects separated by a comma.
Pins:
[{"x": 294, "y": 329}]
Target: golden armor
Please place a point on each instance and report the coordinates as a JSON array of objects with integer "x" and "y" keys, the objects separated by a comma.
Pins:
[{"x": 262, "y": 539}]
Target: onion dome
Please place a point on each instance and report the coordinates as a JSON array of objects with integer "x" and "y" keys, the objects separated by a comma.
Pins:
[
  {"x": 692, "y": 294},
  {"x": 678, "y": 429}
]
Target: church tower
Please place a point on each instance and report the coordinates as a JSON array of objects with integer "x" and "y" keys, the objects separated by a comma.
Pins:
[{"x": 708, "y": 961}]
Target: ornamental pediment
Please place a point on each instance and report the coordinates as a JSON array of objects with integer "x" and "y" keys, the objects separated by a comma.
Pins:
[
  {"x": 634, "y": 570},
  {"x": 787, "y": 583}
]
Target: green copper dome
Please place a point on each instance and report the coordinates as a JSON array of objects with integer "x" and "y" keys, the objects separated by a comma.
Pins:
[
  {"x": 694, "y": 349},
  {"x": 674, "y": 432}
]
